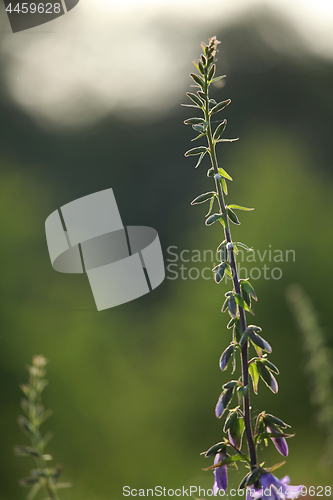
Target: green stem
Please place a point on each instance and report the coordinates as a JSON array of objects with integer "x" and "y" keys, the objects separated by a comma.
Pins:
[{"x": 242, "y": 318}]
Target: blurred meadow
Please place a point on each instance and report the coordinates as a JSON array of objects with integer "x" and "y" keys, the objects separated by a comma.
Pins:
[{"x": 91, "y": 101}]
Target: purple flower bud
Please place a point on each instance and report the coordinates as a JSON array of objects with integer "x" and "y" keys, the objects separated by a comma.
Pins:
[
  {"x": 280, "y": 443},
  {"x": 225, "y": 357},
  {"x": 274, "y": 384},
  {"x": 236, "y": 441},
  {"x": 219, "y": 408},
  {"x": 223, "y": 401},
  {"x": 220, "y": 473},
  {"x": 272, "y": 488}
]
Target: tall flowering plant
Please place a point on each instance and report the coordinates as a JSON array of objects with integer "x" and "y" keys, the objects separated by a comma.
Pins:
[{"x": 246, "y": 339}]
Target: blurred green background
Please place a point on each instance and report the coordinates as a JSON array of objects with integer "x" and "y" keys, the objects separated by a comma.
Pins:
[{"x": 133, "y": 388}]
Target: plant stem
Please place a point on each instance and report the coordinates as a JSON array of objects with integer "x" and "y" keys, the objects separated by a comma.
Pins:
[
  {"x": 37, "y": 442},
  {"x": 244, "y": 351}
]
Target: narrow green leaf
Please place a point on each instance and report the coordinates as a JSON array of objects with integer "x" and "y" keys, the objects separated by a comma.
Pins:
[
  {"x": 241, "y": 302},
  {"x": 253, "y": 477},
  {"x": 198, "y": 80},
  {"x": 213, "y": 450},
  {"x": 230, "y": 420},
  {"x": 244, "y": 338},
  {"x": 212, "y": 218},
  {"x": 231, "y": 385},
  {"x": 243, "y": 482},
  {"x": 198, "y": 128},
  {"x": 254, "y": 328},
  {"x": 242, "y": 391},
  {"x": 210, "y": 206},
  {"x": 210, "y": 60},
  {"x": 223, "y": 221},
  {"x": 220, "y": 245},
  {"x": 28, "y": 481},
  {"x": 224, "y": 186},
  {"x": 197, "y": 137},
  {"x": 203, "y": 197},
  {"x": 274, "y": 420},
  {"x": 259, "y": 341},
  {"x": 267, "y": 377},
  {"x": 224, "y": 252},
  {"x": 211, "y": 72},
  {"x": 218, "y": 78},
  {"x": 246, "y": 297},
  {"x": 26, "y": 451},
  {"x": 202, "y": 95},
  {"x": 276, "y": 466},
  {"x": 225, "y": 305},
  {"x": 34, "y": 490},
  {"x": 200, "y": 159},
  {"x": 220, "y": 272},
  {"x": 229, "y": 273},
  {"x": 234, "y": 360},
  {"x": 270, "y": 366},
  {"x": 237, "y": 431},
  {"x": 229, "y": 460},
  {"x": 219, "y": 130},
  {"x": 248, "y": 288},
  {"x": 232, "y": 216},
  {"x": 190, "y": 106},
  {"x": 195, "y": 64},
  {"x": 194, "y": 121},
  {"x": 231, "y": 323},
  {"x": 253, "y": 371},
  {"x": 242, "y": 245},
  {"x": 228, "y": 140},
  {"x": 196, "y": 151},
  {"x": 237, "y": 331},
  {"x": 238, "y": 207},
  {"x": 223, "y": 173},
  {"x": 220, "y": 106},
  {"x": 25, "y": 426},
  {"x": 232, "y": 308},
  {"x": 201, "y": 68}
]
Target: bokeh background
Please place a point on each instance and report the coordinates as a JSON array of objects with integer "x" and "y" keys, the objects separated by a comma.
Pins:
[{"x": 91, "y": 101}]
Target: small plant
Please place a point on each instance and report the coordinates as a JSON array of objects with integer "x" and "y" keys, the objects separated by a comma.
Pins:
[
  {"x": 319, "y": 365},
  {"x": 43, "y": 476},
  {"x": 258, "y": 480}
]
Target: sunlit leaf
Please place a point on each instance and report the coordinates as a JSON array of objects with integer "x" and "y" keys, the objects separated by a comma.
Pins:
[
  {"x": 220, "y": 106},
  {"x": 203, "y": 197}
]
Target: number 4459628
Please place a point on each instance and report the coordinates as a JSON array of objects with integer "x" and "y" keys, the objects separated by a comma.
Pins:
[{"x": 32, "y": 8}]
